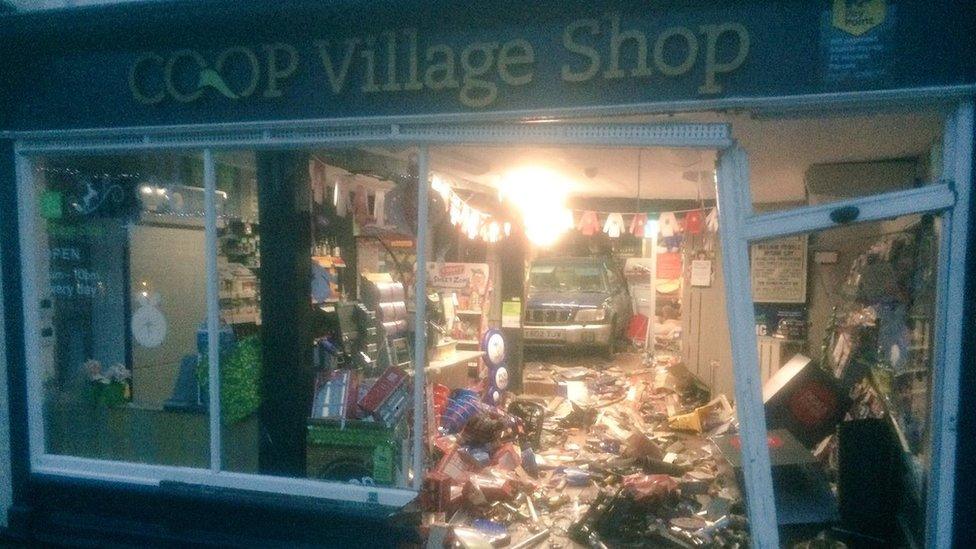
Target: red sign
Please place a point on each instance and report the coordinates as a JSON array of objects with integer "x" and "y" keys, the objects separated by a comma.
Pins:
[
  {"x": 669, "y": 265},
  {"x": 812, "y": 404}
]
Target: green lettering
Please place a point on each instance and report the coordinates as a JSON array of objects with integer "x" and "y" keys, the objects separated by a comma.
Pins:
[
  {"x": 277, "y": 73},
  {"x": 440, "y": 75},
  {"x": 478, "y": 92},
  {"x": 587, "y": 52},
  {"x": 337, "y": 79},
  {"x": 515, "y": 53}
]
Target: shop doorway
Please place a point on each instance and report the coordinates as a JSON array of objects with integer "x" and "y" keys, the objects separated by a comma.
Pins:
[
  {"x": 887, "y": 264},
  {"x": 602, "y": 232}
]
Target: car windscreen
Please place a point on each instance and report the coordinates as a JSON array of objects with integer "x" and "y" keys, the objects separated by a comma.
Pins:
[{"x": 567, "y": 278}]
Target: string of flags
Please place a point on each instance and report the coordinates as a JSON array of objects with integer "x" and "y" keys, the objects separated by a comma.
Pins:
[
  {"x": 665, "y": 225},
  {"x": 473, "y": 222},
  {"x": 670, "y": 226}
]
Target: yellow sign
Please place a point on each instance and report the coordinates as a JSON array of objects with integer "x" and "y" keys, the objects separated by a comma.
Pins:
[
  {"x": 511, "y": 314},
  {"x": 857, "y": 17}
]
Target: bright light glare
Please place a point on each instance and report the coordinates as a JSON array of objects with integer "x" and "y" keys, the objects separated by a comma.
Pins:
[
  {"x": 441, "y": 187},
  {"x": 540, "y": 196},
  {"x": 650, "y": 228}
]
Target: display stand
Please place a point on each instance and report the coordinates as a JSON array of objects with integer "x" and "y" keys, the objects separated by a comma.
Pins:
[{"x": 465, "y": 290}]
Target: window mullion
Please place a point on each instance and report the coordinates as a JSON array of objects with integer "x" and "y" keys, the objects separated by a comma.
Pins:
[
  {"x": 950, "y": 314},
  {"x": 930, "y": 198},
  {"x": 420, "y": 321},
  {"x": 734, "y": 207},
  {"x": 213, "y": 306},
  {"x": 30, "y": 243}
]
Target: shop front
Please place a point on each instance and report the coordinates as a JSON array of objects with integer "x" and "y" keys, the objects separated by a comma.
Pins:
[{"x": 491, "y": 275}]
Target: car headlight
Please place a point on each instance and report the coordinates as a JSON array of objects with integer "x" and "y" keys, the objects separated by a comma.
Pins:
[{"x": 591, "y": 315}]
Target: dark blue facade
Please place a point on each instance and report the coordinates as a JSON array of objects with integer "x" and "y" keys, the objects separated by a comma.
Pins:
[
  {"x": 215, "y": 62},
  {"x": 302, "y": 61}
]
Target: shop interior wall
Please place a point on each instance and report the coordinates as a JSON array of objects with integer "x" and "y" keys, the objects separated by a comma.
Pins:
[
  {"x": 707, "y": 348},
  {"x": 172, "y": 259}
]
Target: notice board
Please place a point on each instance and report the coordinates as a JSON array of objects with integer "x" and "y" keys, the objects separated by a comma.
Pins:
[{"x": 778, "y": 270}]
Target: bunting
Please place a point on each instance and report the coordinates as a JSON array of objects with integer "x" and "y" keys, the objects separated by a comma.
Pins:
[
  {"x": 667, "y": 225},
  {"x": 472, "y": 222}
]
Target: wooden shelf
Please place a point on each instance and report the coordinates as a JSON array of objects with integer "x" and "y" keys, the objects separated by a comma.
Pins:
[
  {"x": 468, "y": 312},
  {"x": 459, "y": 357}
]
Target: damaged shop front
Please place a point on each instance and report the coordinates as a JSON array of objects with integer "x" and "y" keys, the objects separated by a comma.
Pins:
[{"x": 558, "y": 275}]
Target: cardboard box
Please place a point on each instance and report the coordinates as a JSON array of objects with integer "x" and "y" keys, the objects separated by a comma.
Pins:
[
  {"x": 387, "y": 397},
  {"x": 804, "y": 399}
]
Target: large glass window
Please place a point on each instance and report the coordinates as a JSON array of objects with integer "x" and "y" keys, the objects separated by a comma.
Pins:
[
  {"x": 119, "y": 267},
  {"x": 846, "y": 359},
  {"x": 315, "y": 260},
  {"x": 294, "y": 280}
]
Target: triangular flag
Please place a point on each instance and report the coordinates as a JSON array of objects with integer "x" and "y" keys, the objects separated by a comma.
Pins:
[
  {"x": 711, "y": 220},
  {"x": 667, "y": 224},
  {"x": 694, "y": 221}
]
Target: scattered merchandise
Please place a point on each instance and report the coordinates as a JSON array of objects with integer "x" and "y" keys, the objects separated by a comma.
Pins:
[{"x": 603, "y": 467}]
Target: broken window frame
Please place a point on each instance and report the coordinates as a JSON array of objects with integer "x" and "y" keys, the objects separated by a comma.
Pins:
[{"x": 740, "y": 226}]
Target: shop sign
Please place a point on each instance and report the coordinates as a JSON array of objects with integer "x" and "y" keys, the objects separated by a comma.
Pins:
[
  {"x": 393, "y": 62},
  {"x": 503, "y": 56},
  {"x": 856, "y": 44},
  {"x": 857, "y": 17}
]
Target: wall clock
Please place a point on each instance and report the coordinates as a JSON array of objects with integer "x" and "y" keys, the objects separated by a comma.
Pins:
[{"x": 148, "y": 322}]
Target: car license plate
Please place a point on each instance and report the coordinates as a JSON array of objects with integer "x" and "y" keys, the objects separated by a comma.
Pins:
[{"x": 543, "y": 334}]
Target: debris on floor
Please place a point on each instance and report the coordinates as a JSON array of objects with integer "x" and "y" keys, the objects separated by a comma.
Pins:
[{"x": 614, "y": 457}]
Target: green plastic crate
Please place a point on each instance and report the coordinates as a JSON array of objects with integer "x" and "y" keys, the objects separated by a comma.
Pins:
[{"x": 359, "y": 449}]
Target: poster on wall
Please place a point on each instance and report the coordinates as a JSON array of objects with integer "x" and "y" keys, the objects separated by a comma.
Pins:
[
  {"x": 778, "y": 270},
  {"x": 469, "y": 281}
]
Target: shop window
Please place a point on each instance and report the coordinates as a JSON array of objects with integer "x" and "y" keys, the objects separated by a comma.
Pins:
[
  {"x": 303, "y": 308},
  {"x": 316, "y": 253},
  {"x": 118, "y": 263},
  {"x": 845, "y": 331},
  {"x": 620, "y": 386}
]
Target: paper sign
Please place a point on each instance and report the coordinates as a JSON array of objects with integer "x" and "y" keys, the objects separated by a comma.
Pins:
[
  {"x": 779, "y": 270},
  {"x": 701, "y": 273},
  {"x": 459, "y": 276}
]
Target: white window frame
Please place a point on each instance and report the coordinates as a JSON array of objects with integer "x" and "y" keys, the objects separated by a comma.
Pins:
[
  {"x": 740, "y": 226},
  {"x": 209, "y": 140}
]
